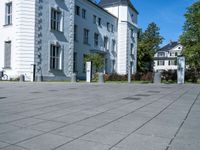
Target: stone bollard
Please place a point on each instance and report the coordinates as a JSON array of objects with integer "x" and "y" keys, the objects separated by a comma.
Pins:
[
  {"x": 21, "y": 78},
  {"x": 101, "y": 78},
  {"x": 157, "y": 78},
  {"x": 73, "y": 78}
]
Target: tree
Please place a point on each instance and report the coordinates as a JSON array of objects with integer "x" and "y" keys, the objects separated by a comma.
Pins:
[
  {"x": 97, "y": 60},
  {"x": 190, "y": 38},
  {"x": 148, "y": 44}
]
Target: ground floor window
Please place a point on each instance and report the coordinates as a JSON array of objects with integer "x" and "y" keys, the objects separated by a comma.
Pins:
[
  {"x": 55, "y": 57},
  {"x": 7, "y": 55},
  {"x": 161, "y": 62}
]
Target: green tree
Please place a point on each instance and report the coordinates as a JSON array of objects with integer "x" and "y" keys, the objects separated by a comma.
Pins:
[
  {"x": 190, "y": 38},
  {"x": 148, "y": 44},
  {"x": 97, "y": 60}
]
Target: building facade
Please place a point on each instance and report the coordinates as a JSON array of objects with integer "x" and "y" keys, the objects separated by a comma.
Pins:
[
  {"x": 166, "y": 57},
  {"x": 51, "y": 38}
]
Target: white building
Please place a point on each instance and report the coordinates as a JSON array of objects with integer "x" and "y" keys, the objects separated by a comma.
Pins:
[
  {"x": 55, "y": 35},
  {"x": 166, "y": 57}
]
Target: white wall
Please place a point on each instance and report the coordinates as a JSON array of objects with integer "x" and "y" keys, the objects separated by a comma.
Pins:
[{"x": 21, "y": 34}]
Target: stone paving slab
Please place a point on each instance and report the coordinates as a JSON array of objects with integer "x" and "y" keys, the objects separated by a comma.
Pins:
[{"x": 65, "y": 116}]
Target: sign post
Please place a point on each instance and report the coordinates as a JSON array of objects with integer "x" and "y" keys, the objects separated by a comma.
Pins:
[
  {"x": 181, "y": 70},
  {"x": 89, "y": 71}
]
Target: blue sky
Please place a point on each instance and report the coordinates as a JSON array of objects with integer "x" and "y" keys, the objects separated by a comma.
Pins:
[{"x": 167, "y": 14}]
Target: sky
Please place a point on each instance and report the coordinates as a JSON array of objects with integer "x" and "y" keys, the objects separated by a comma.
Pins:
[{"x": 167, "y": 14}]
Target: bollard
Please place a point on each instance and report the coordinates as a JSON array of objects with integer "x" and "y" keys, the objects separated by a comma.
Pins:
[
  {"x": 73, "y": 78},
  {"x": 21, "y": 78},
  {"x": 101, "y": 78},
  {"x": 157, "y": 77}
]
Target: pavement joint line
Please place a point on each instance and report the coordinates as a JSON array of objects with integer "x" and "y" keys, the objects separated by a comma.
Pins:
[
  {"x": 112, "y": 121},
  {"x": 148, "y": 120},
  {"x": 171, "y": 141}
]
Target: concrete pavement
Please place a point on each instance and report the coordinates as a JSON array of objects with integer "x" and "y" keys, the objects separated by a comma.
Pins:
[{"x": 65, "y": 116}]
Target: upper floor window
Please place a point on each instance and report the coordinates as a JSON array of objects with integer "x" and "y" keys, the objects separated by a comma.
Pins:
[
  {"x": 99, "y": 21},
  {"x": 75, "y": 33},
  {"x": 108, "y": 26},
  {"x": 77, "y": 10},
  {"x": 94, "y": 19},
  {"x": 96, "y": 39},
  {"x": 8, "y": 15},
  {"x": 83, "y": 13},
  {"x": 112, "y": 28},
  {"x": 161, "y": 54},
  {"x": 132, "y": 49},
  {"x": 86, "y": 36},
  {"x": 113, "y": 45},
  {"x": 55, "y": 19},
  {"x": 106, "y": 46},
  {"x": 55, "y": 57}
]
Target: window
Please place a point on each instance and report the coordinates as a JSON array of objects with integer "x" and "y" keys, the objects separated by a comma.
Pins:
[
  {"x": 75, "y": 33},
  {"x": 114, "y": 66},
  {"x": 8, "y": 15},
  {"x": 161, "y": 54},
  {"x": 132, "y": 33},
  {"x": 86, "y": 36},
  {"x": 55, "y": 57},
  {"x": 75, "y": 62},
  {"x": 113, "y": 45},
  {"x": 161, "y": 63},
  {"x": 106, "y": 43},
  {"x": 172, "y": 62},
  {"x": 112, "y": 28},
  {"x": 94, "y": 19},
  {"x": 77, "y": 10},
  {"x": 7, "y": 55},
  {"x": 132, "y": 49},
  {"x": 96, "y": 39},
  {"x": 99, "y": 21},
  {"x": 55, "y": 20},
  {"x": 83, "y": 13},
  {"x": 108, "y": 26}
]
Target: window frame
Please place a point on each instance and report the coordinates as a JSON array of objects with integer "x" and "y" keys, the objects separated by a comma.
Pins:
[
  {"x": 56, "y": 20},
  {"x": 55, "y": 60},
  {"x": 8, "y": 15}
]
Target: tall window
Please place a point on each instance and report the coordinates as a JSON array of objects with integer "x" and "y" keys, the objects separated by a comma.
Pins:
[
  {"x": 161, "y": 62},
  {"x": 96, "y": 39},
  {"x": 132, "y": 49},
  {"x": 55, "y": 20},
  {"x": 94, "y": 19},
  {"x": 106, "y": 43},
  {"x": 8, "y": 15},
  {"x": 75, "y": 33},
  {"x": 99, "y": 21},
  {"x": 83, "y": 13},
  {"x": 86, "y": 36},
  {"x": 113, "y": 45},
  {"x": 112, "y": 28},
  {"x": 108, "y": 26},
  {"x": 55, "y": 57},
  {"x": 7, "y": 55},
  {"x": 77, "y": 10},
  {"x": 75, "y": 62}
]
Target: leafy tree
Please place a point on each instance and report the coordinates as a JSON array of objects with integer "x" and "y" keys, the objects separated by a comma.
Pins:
[
  {"x": 148, "y": 44},
  {"x": 97, "y": 60},
  {"x": 190, "y": 38}
]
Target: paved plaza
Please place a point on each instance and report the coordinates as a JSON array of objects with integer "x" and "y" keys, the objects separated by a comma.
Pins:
[{"x": 65, "y": 116}]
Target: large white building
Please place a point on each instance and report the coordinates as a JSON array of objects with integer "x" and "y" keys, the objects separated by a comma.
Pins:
[{"x": 55, "y": 35}]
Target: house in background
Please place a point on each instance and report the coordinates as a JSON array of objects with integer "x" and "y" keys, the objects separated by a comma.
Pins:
[{"x": 166, "y": 57}]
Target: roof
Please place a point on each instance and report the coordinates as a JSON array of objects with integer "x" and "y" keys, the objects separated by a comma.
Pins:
[
  {"x": 98, "y": 6},
  {"x": 169, "y": 46},
  {"x": 106, "y": 3}
]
